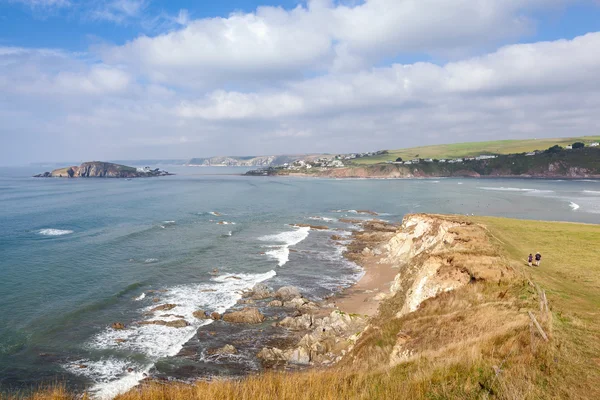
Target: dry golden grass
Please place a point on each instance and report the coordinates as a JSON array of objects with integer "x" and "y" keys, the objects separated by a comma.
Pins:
[{"x": 473, "y": 343}]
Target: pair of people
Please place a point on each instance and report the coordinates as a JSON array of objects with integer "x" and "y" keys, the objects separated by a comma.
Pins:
[{"x": 538, "y": 259}]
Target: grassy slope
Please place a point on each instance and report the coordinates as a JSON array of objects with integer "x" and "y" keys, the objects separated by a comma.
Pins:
[
  {"x": 570, "y": 273},
  {"x": 458, "y": 150},
  {"x": 567, "y": 367}
]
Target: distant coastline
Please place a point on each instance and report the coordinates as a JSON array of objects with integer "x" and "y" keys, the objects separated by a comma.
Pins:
[{"x": 552, "y": 164}]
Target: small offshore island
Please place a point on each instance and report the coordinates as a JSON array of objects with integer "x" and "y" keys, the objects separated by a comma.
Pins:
[{"x": 99, "y": 169}]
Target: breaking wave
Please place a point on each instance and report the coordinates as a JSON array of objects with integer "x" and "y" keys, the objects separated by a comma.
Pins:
[
  {"x": 281, "y": 253},
  {"x": 112, "y": 376},
  {"x": 54, "y": 232}
]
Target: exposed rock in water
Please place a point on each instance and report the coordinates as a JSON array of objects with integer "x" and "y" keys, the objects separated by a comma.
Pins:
[
  {"x": 225, "y": 350},
  {"x": 201, "y": 314},
  {"x": 315, "y": 227},
  {"x": 164, "y": 307},
  {"x": 245, "y": 316},
  {"x": 275, "y": 303},
  {"x": 215, "y": 316},
  {"x": 118, "y": 325},
  {"x": 260, "y": 291},
  {"x": 287, "y": 293},
  {"x": 351, "y": 221},
  {"x": 179, "y": 323}
]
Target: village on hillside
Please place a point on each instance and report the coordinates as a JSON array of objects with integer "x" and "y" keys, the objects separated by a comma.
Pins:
[{"x": 341, "y": 160}]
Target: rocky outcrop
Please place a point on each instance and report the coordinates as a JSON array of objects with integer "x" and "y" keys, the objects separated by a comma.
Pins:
[
  {"x": 246, "y": 316},
  {"x": 225, "y": 350},
  {"x": 327, "y": 339},
  {"x": 98, "y": 169},
  {"x": 201, "y": 314},
  {"x": 260, "y": 291},
  {"x": 287, "y": 293},
  {"x": 179, "y": 323},
  {"x": 314, "y": 227},
  {"x": 164, "y": 307}
]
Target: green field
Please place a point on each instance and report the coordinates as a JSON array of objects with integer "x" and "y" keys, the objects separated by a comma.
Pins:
[{"x": 459, "y": 150}]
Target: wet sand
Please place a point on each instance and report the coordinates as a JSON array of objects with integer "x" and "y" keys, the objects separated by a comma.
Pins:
[{"x": 364, "y": 297}]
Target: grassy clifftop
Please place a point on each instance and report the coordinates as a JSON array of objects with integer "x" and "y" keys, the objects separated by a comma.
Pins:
[{"x": 473, "y": 149}]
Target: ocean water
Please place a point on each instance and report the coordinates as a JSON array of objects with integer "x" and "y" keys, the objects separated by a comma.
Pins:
[{"x": 78, "y": 255}]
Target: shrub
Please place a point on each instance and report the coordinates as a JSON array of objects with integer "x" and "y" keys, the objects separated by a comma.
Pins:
[
  {"x": 399, "y": 159},
  {"x": 554, "y": 149},
  {"x": 578, "y": 145}
]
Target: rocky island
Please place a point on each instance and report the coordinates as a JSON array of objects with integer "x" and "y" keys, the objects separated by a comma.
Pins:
[{"x": 99, "y": 169}]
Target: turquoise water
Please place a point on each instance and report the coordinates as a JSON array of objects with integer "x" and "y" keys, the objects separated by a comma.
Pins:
[{"x": 78, "y": 255}]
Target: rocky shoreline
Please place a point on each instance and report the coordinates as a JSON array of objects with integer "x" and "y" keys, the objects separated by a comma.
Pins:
[{"x": 405, "y": 265}]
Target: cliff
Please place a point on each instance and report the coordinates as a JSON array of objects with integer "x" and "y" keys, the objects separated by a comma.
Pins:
[
  {"x": 248, "y": 161},
  {"x": 97, "y": 169},
  {"x": 579, "y": 163}
]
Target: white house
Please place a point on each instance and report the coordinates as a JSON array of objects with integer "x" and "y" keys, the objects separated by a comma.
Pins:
[
  {"x": 531, "y": 154},
  {"x": 569, "y": 147},
  {"x": 595, "y": 144},
  {"x": 428, "y": 160}
]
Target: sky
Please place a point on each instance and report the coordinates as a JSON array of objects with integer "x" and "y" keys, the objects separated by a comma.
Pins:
[{"x": 142, "y": 79}]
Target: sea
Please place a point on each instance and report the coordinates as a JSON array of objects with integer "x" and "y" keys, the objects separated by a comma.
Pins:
[{"x": 78, "y": 255}]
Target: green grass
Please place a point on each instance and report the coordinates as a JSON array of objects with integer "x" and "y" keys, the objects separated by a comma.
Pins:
[
  {"x": 570, "y": 274},
  {"x": 459, "y": 150}
]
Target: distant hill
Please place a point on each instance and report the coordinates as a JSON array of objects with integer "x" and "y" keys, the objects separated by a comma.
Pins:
[
  {"x": 473, "y": 149},
  {"x": 249, "y": 161}
]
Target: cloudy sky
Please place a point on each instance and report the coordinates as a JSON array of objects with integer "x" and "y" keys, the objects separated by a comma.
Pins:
[{"x": 115, "y": 79}]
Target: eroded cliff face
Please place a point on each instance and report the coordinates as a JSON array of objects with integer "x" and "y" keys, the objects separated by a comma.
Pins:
[
  {"x": 432, "y": 253},
  {"x": 439, "y": 258},
  {"x": 437, "y": 254}
]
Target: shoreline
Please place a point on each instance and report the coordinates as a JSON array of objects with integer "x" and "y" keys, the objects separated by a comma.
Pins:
[{"x": 303, "y": 175}]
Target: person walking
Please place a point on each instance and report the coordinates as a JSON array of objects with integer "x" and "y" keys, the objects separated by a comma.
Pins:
[
  {"x": 538, "y": 258},
  {"x": 530, "y": 259}
]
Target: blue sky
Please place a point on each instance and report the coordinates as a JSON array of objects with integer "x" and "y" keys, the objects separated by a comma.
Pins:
[{"x": 179, "y": 79}]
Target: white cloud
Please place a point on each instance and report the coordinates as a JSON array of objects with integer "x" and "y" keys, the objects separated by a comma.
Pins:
[
  {"x": 118, "y": 11},
  {"x": 272, "y": 43}
]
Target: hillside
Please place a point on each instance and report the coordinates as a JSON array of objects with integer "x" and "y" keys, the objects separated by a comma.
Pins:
[
  {"x": 473, "y": 149},
  {"x": 577, "y": 163},
  {"x": 249, "y": 161},
  {"x": 456, "y": 322}
]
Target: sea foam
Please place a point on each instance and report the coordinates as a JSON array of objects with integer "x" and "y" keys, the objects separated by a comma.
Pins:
[
  {"x": 112, "y": 376},
  {"x": 54, "y": 232},
  {"x": 574, "y": 206},
  {"x": 281, "y": 253}
]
